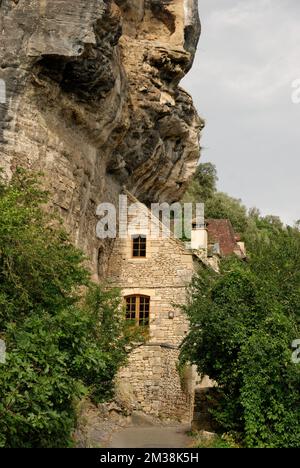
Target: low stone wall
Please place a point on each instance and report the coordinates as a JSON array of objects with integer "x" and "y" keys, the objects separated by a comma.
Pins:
[{"x": 152, "y": 383}]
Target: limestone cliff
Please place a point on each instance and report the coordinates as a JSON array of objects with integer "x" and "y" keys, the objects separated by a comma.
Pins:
[{"x": 93, "y": 100}]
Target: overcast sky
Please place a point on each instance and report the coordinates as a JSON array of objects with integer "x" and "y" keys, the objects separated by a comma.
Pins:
[{"x": 247, "y": 59}]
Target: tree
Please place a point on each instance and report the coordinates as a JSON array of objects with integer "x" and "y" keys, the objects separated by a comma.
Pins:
[
  {"x": 218, "y": 205},
  {"x": 203, "y": 185},
  {"x": 65, "y": 337},
  {"x": 243, "y": 322},
  {"x": 222, "y": 206}
]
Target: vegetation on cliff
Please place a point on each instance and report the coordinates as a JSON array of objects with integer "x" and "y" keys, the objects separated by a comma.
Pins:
[{"x": 65, "y": 337}]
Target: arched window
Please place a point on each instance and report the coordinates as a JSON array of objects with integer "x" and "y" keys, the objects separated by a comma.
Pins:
[{"x": 138, "y": 309}]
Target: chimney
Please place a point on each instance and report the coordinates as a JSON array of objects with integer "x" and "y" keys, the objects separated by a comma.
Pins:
[{"x": 199, "y": 237}]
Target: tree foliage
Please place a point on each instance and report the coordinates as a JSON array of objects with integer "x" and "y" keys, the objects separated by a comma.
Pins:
[
  {"x": 203, "y": 185},
  {"x": 222, "y": 206},
  {"x": 218, "y": 205},
  {"x": 243, "y": 323},
  {"x": 62, "y": 344}
]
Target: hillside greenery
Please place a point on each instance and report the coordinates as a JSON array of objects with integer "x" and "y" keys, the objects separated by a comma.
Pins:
[
  {"x": 65, "y": 337},
  {"x": 243, "y": 323}
]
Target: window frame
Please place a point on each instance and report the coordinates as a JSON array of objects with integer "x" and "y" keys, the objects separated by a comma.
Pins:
[
  {"x": 138, "y": 300},
  {"x": 139, "y": 248}
]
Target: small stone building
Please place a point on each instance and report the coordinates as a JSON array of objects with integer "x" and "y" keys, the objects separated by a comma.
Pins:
[{"x": 153, "y": 273}]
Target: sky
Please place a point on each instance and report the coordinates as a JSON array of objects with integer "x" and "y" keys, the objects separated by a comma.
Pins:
[{"x": 247, "y": 59}]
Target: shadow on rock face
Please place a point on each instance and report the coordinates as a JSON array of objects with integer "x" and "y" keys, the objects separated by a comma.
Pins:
[{"x": 93, "y": 100}]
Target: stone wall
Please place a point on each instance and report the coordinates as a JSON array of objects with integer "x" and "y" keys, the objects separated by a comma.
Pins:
[
  {"x": 151, "y": 382},
  {"x": 163, "y": 276},
  {"x": 151, "y": 379}
]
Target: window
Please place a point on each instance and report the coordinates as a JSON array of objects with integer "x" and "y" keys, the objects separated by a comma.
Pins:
[
  {"x": 139, "y": 246},
  {"x": 138, "y": 309}
]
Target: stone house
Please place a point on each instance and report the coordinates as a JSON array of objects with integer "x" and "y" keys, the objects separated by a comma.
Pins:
[{"x": 153, "y": 273}]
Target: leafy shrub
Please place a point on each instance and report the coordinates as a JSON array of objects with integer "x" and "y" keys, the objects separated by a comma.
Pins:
[
  {"x": 61, "y": 346},
  {"x": 243, "y": 322}
]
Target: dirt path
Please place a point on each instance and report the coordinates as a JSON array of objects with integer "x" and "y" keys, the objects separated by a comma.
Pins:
[{"x": 151, "y": 437}]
